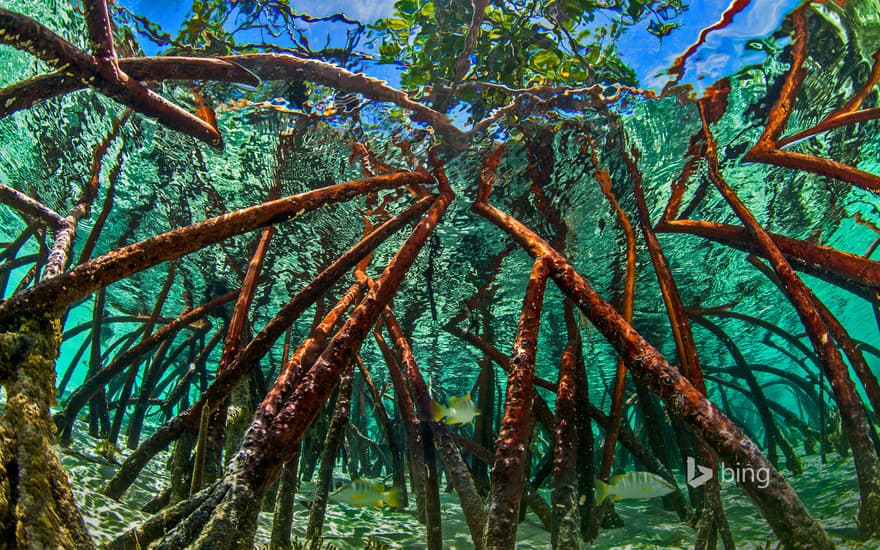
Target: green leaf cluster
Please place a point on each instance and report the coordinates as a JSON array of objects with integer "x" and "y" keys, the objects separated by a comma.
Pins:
[{"x": 521, "y": 44}]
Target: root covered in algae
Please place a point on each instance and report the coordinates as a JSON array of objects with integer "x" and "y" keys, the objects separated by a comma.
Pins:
[{"x": 36, "y": 504}]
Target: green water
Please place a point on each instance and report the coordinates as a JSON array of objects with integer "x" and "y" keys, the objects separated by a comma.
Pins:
[{"x": 167, "y": 180}]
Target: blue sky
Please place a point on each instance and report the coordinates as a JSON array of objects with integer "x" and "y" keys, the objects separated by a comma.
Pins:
[
  {"x": 169, "y": 14},
  {"x": 369, "y": 10},
  {"x": 724, "y": 51}
]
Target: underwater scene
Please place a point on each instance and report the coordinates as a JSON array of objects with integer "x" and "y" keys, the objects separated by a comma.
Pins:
[{"x": 441, "y": 274}]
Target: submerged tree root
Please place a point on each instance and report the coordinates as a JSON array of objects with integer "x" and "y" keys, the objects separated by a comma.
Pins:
[
  {"x": 565, "y": 530},
  {"x": 36, "y": 505},
  {"x": 508, "y": 470},
  {"x": 781, "y": 506},
  {"x": 154, "y": 528},
  {"x": 456, "y": 470},
  {"x": 852, "y": 411},
  {"x": 228, "y": 519}
]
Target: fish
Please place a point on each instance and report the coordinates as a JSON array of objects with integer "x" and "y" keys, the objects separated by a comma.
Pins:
[
  {"x": 366, "y": 493},
  {"x": 307, "y": 487},
  {"x": 459, "y": 410},
  {"x": 204, "y": 110},
  {"x": 107, "y": 450},
  {"x": 633, "y": 485}
]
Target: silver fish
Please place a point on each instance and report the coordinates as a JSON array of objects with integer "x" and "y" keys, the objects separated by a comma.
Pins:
[{"x": 633, "y": 485}]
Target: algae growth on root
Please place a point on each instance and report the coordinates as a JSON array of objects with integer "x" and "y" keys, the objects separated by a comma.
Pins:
[{"x": 36, "y": 506}]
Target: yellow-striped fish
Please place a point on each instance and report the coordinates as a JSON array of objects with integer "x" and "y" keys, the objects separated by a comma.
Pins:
[
  {"x": 459, "y": 410},
  {"x": 632, "y": 485},
  {"x": 366, "y": 493}
]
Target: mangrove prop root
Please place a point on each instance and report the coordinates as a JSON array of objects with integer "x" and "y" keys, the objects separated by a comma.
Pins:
[
  {"x": 433, "y": 527},
  {"x": 94, "y": 384},
  {"x": 852, "y": 272},
  {"x": 852, "y": 413},
  {"x": 411, "y": 424},
  {"x": 530, "y": 496},
  {"x": 328, "y": 456},
  {"x": 292, "y": 371},
  {"x": 213, "y": 449},
  {"x": 98, "y": 227},
  {"x": 775, "y": 436},
  {"x": 184, "y": 382},
  {"x": 27, "y": 93},
  {"x": 790, "y": 418},
  {"x": 236, "y": 68},
  {"x": 538, "y": 505},
  {"x": 583, "y": 421},
  {"x": 623, "y": 219},
  {"x": 131, "y": 375},
  {"x": 282, "y": 518},
  {"x": 768, "y": 148},
  {"x": 152, "y": 529},
  {"x": 566, "y": 523},
  {"x": 289, "y": 376},
  {"x": 98, "y": 405},
  {"x": 287, "y": 67},
  {"x": 841, "y": 336},
  {"x": 14, "y": 348},
  {"x": 485, "y": 422},
  {"x": 32, "y": 208},
  {"x": 682, "y": 335},
  {"x": 541, "y": 410},
  {"x": 780, "y": 505},
  {"x": 79, "y": 282},
  {"x": 681, "y": 330},
  {"x": 397, "y": 469},
  {"x": 274, "y": 432},
  {"x": 59, "y": 256},
  {"x": 181, "y": 468},
  {"x": 508, "y": 474},
  {"x": 495, "y": 354},
  {"x": 36, "y": 505},
  {"x": 256, "y": 349},
  {"x": 457, "y": 470},
  {"x": 848, "y": 114},
  {"x": 650, "y": 462},
  {"x": 102, "y": 71}
]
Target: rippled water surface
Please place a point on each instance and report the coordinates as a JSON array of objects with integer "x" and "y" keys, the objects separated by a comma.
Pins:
[{"x": 469, "y": 273}]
